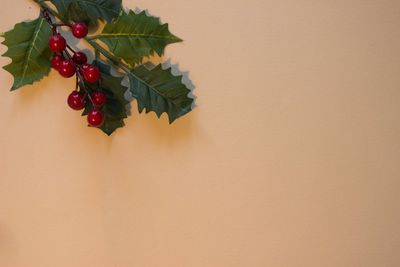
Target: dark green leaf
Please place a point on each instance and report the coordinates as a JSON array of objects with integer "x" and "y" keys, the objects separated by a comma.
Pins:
[
  {"x": 135, "y": 36},
  {"x": 159, "y": 91},
  {"x": 115, "y": 108},
  {"x": 28, "y": 48},
  {"x": 88, "y": 11}
]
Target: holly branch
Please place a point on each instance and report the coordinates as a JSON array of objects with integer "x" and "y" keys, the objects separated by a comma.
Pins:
[{"x": 125, "y": 41}]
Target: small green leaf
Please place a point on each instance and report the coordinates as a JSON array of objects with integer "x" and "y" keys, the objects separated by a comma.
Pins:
[
  {"x": 28, "y": 49},
  {"x": 135, "y": 36},
  {"x": 159, "y": 91},
  {"x": 115, "y": 108},
  {"x": 88, "y": 11}
]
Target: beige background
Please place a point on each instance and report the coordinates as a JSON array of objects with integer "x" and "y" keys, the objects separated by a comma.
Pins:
[{"x": 292, "y": 157}]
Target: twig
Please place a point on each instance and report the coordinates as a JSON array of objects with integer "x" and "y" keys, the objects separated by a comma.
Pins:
[{"x": 110, "y": 57}]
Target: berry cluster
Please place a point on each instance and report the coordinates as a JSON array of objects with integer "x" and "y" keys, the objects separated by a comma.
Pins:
[{"x": 70, "y": 63}]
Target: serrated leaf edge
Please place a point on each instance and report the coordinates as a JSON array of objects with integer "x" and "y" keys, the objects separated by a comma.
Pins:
[
  {"x": 145, "y": 109},
  {"x": 26, "y": 60}
]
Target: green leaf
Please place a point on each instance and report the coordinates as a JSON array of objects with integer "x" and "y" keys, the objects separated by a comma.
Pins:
[
  {"x": 88, "y": 11},
  {"x": 114, "y": 110},
  {"x": 28, "y": 49},
  {"x": 135, "y": 36},
  {"x": 159, "y": 91}
]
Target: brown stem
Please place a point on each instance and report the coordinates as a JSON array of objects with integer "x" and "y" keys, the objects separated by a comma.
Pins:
[
  {"x": 71, "y": 49},
  {"x": 110, "y": 57}
]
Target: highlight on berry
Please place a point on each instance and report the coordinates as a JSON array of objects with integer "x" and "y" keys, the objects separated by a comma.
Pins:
[{"x": 116, "y": 52}]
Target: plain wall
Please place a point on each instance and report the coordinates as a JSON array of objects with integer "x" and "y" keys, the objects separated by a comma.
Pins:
[{"x": 291, "y": 158}]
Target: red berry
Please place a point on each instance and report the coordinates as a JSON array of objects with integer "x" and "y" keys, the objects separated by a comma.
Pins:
[
  {"x": 76, "y": 100},
  {"x": 79, "y": 30},
  {"x": 79, "y": 58},
  {"x": 95, "y": 118},
  {"x": 56, "y": 61},
  {"x": 57, "y": 43},
  {"x": 67, "y": 68},
  {"x": 98, "y": 98},
  {"x": 84, "y": 67},
  {"x": 92, "y": 74}
]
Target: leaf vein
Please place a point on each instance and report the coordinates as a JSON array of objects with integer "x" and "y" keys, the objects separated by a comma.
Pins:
[{"x": 31, "y": 47}]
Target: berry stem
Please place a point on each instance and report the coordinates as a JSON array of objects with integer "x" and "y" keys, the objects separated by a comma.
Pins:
[
  {"x": 113, "y": 60},
  {"x": 68, "y": 54},
  {"x": 71, "y": 49},
  {"x": 77, "y": 82},
  {"x": 80, "y": 80},
  {"x": 82, "y": 85},
  {"x": 46, "y": 15}
]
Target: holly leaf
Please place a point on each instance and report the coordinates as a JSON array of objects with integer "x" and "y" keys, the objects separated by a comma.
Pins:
[
  {"x": 88, "y": 11},
  {"x": 134, "y": 36},
  {"x": 115, "y": 108},
  {"x": 159, "y": 91},
  {"x": 28, "y": 49}
]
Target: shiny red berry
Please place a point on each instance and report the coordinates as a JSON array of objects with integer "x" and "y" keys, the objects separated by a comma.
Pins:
[
  {"x": 95, "y": 118},
  {"x": 79, "y": 58},
  {"x": 79, "y": 30},
  {"x": 57, "y": 43},
  {"x": 76, "y": 100},
  {"x": 67, "y": 68},
  {"x": 98, "y": 98},
  {"x": 91, "y": 74},
  {"x": 56, "y": 61},
  {"x": 83, "y": 67}
]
